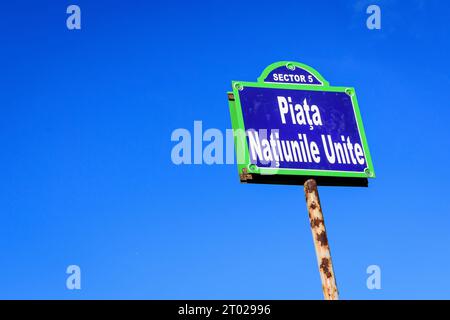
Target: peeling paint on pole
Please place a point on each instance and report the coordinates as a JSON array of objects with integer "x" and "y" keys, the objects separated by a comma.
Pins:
[{"x": 320, "y": 238}]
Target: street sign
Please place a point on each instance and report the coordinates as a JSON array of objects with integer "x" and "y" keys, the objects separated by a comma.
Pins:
[
  {"x": 296, "y": 127},
  {"x": 292, "y": 127}
]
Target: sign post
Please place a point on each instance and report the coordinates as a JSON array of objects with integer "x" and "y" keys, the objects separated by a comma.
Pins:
[
  {"x": 319, "y": 233},
  {"x": 292, "y": 127}
]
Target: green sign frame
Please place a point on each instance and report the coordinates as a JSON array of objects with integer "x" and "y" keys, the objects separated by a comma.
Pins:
[{"x": 248, "y": 171}]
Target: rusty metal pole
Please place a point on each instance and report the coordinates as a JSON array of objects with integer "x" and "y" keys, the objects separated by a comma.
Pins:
[{"x": 319, "y": 233}]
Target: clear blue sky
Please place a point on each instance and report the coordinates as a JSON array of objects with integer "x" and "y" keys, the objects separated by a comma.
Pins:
[{"x": 87, "y": 178}]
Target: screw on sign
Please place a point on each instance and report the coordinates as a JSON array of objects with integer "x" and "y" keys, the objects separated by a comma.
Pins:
[{"x": 301, "y": 131}]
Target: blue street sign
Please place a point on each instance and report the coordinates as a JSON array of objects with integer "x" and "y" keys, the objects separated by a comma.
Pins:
[{"x": 296, "y": 124}]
